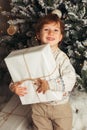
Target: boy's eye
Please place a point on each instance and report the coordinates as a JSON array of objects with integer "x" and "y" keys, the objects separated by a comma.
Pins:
[
  {"x": 45, "y": 29},
  {"x": 56, "y": 30}
]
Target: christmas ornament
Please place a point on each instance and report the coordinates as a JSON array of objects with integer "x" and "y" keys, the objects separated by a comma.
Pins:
[
  {"x": 57, "y": 12},
  {"x": 12, "y": 29}
]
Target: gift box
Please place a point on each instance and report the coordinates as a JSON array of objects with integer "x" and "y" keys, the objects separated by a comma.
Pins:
[
  {"x": 34, "y": 97},
  {"x": 29, "y": 64}
]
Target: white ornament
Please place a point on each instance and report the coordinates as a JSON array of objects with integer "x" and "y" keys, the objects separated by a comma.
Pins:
[{"x": 57, "y": 12}]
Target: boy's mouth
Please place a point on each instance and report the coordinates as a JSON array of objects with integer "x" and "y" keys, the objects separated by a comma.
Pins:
[{"x": 50, "y": 38}]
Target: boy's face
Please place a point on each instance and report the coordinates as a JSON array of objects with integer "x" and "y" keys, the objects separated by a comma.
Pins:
[{"x": 51, "y": 34}]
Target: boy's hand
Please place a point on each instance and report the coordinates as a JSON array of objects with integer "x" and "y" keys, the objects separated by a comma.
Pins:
[
  {"x": 43, "y": 85},
  {"x": 17, "y": 89}
]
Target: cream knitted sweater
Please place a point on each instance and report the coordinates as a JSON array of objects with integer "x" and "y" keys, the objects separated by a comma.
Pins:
[{"x": 66, "y": 77}]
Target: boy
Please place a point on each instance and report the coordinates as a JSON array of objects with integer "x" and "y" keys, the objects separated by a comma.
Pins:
[{"x": 55, "y": 115}]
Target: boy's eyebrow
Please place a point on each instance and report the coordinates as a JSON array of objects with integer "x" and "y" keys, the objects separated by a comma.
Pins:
[{"x": 48, "y": 26}]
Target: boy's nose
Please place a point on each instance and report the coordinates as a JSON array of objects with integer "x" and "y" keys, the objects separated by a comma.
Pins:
[{"x": 50, "y": 32}]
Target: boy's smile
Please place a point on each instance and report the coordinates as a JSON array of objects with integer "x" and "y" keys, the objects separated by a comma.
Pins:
[{"x": 50, "y": 38}]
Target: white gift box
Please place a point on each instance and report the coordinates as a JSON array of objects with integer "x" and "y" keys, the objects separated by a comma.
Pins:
[
  {"x": 34, "y": 97},
  {"x": 29, "y": 64}
]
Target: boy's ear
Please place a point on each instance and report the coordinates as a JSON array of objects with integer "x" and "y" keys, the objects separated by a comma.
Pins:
[
  {"x": 38, "y": 36},
  {"x": 61, "y": 37}
]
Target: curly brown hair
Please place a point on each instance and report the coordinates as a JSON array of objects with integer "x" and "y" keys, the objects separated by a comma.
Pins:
[{"x": 48, "y": 19}]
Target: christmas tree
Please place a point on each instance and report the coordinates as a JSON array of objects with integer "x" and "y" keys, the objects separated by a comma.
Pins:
[{"x": 18, "y": 31}]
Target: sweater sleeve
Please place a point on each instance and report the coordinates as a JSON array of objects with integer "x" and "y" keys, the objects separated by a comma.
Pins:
[{"x": 67, "y": 73}]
